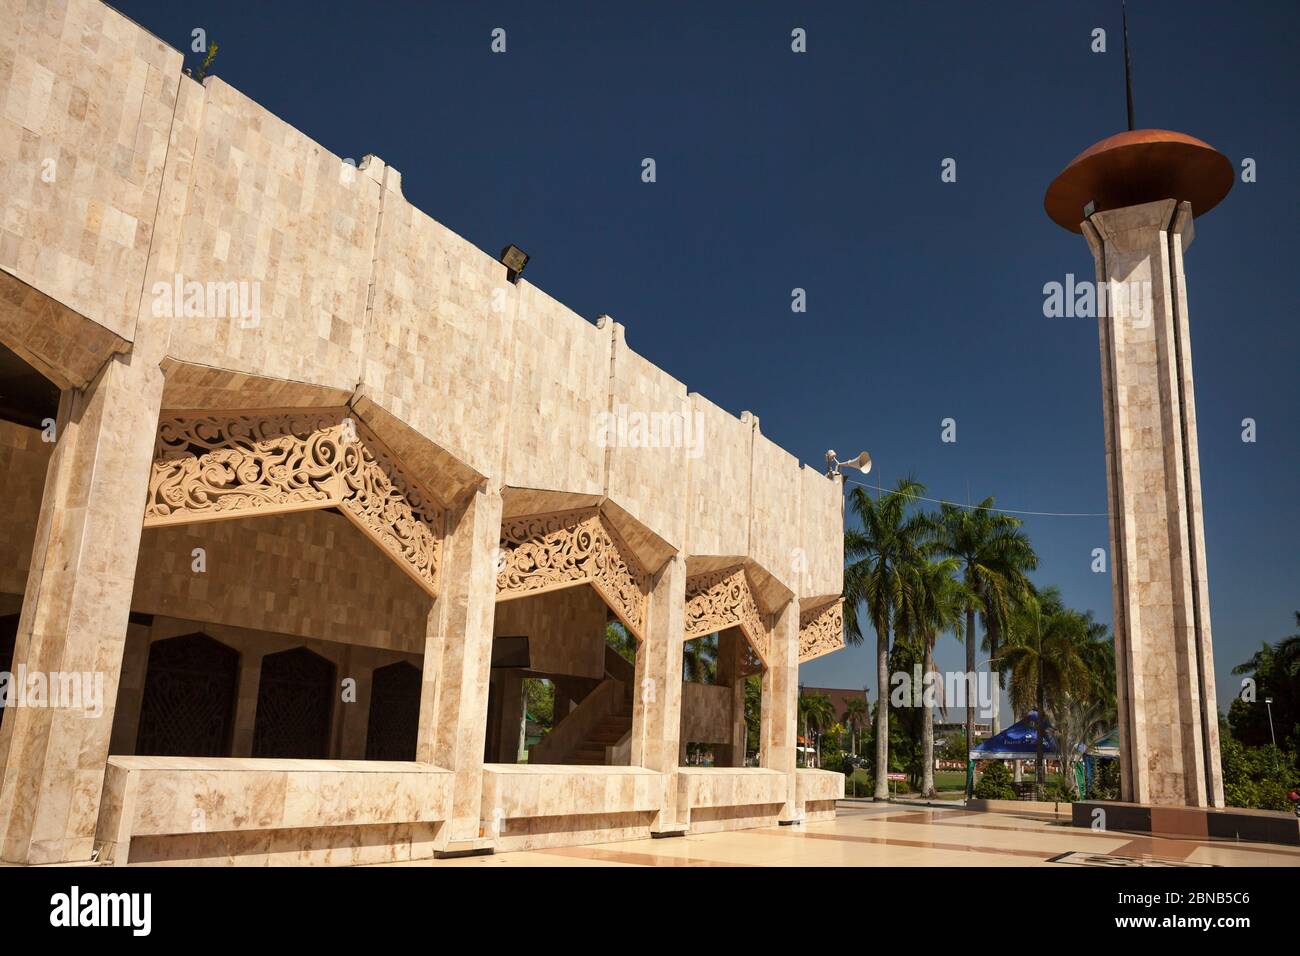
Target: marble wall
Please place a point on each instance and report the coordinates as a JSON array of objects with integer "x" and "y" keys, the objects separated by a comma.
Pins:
[
  {"x": 87, "y": 100},
  {"x": 494, "y": 395},
  {"x": 310, "y": 573}
]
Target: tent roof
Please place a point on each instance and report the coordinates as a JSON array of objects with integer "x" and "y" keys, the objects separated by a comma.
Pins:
[
  {"x": 1017, "y": 742},
  {"x": 1107, "y": 745}
]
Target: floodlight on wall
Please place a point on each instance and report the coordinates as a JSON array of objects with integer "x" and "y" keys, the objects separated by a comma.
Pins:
[
  {"x": 514, "y": 259},
  {"x": 862, "y": 463}
]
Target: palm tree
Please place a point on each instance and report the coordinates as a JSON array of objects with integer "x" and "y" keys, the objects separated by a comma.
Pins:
[
  {"x": 935, "y": 602},
  {"x": 817, "y": 713},
  {"x": 1086, "y": 710},
  {"x": 993, "y": 552},
  {"x": 855, "y": 718},
  {"x": 700, "y": 659},
  {"x": 621, "y": 641},
  {"x": 1044, "y": 657},
  {"x": 1275, "y": 674},
  {"x": 753, "y": 713},
  {"x": 887, "y": 540},
  {"x": 997, "y": 604}
]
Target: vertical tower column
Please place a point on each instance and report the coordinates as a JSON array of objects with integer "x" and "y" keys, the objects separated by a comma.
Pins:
[
  {"x": 780, "y": 720},
  {"x": 657, "y": 703},
  {"x": 1168, "y": 718},
  {"x": 457, "y": 666}
]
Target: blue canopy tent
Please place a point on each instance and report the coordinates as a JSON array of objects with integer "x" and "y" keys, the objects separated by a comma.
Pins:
[{"x": 1017, "y": 742}]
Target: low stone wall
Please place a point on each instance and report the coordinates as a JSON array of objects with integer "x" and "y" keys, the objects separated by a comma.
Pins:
[
  {"x": 531, "y": 807},
  {"x": 726, "y": 798},
  {"x": 816, "y": 792},
  {"x": 230, "y": 810},
  {"x": 1020, "y": 806}
]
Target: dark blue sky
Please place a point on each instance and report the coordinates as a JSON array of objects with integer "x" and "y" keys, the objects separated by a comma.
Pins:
[{"x": 822, "y": 171}]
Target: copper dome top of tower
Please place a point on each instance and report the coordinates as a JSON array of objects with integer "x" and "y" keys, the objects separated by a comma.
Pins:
[{"x": 1138, "y": 166}]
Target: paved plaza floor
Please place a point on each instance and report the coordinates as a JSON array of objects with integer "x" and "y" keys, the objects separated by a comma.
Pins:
[{"x": 892, "y": 835}]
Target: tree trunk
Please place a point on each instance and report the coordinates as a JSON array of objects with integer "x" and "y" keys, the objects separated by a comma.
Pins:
[
  {"x": 970, "y": 674},
  {"x": 807, "y": 736},
  {"x": 1040, "y": 776},
  {"x": 927, "y": 723},
  {"x": 994, "y": 636},
  {"x": 882, "y": 710}
]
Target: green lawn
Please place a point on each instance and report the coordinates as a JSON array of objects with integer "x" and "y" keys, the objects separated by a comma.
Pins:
[
  {"x": 949, "y": 783},
  {"x": 944, "y": 780}
]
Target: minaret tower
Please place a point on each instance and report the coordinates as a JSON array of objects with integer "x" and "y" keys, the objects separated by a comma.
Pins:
[{"x": 1134, "y": 196}]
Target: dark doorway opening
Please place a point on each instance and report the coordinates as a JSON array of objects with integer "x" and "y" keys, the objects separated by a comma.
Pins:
[
  {"x": 295, "y": 699},
  {"x": 394, "y": 721},
  {"x": 188, "y": 707}
]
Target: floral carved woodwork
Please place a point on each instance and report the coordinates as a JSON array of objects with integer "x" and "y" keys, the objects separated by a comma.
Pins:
[
  {"x": 821, "y": 630},
  {"x": 212, "y": 466},
  {"x": 721, "y": 599},
  {"x": 564, "y": 548}
]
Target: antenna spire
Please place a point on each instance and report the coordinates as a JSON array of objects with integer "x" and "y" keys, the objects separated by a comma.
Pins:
[{"x": 1128, "y": 66}]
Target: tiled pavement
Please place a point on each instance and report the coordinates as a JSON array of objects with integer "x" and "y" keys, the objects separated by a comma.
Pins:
[{"x": 892, "y": 835}]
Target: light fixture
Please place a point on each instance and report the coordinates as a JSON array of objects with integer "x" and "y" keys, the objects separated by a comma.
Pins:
[
  {"x": 514, "y": 259},
  {"x": 862, "y": 463}
]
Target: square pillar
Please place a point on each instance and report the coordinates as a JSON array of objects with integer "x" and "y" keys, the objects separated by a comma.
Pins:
[
  {"x": 657, "y": 701},
  {"x": 354, "y": 716},
  {"x": 779, "y": 734},
  {"x": 75, "y": 610},
  {"x": 508, "y": 743},
  {"x": 731, "y": 654},
  {"x": 457, "y": 668},
  {"x": 1164, "y": 659},
  {"x": 250, "y": 680}
]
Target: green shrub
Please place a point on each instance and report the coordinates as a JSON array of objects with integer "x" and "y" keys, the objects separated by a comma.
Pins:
[
  {"x": 1257, "y": 777},
  {"x": 832, "y": 760},
  {"x": 995, "y": 783},
  {"x": 1105, "y": 781},
  {"x": 1058, "y": 793}
]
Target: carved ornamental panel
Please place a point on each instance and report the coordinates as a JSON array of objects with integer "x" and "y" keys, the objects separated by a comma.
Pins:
[
  {"x": 564, "y": 548},
  {"x": 721, "y": 599},
  {"x": 821, "y": 630},
  {"x": 212, "y": 466}
]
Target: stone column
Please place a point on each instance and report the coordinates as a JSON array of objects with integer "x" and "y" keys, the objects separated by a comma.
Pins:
[
  {"x": 250, "y": 680},
  {"x": 78, "y": 595},
  {"x": 457, "y": 666},
  {"x": 75, "y": 609},
  {"x": 1168, "y": 715},
  {"x": 359, "y": 663},
  {"x": 512, "y": 716},
  {"x": 730, "y": 658},
  {"x": 780, "y": 718},
  {"x": 657, "y": 701}
]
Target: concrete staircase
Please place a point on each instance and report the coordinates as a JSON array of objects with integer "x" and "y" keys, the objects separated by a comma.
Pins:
[
  {"x": 609, "y": 732},
  {"x": 597, "y": 732}
]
